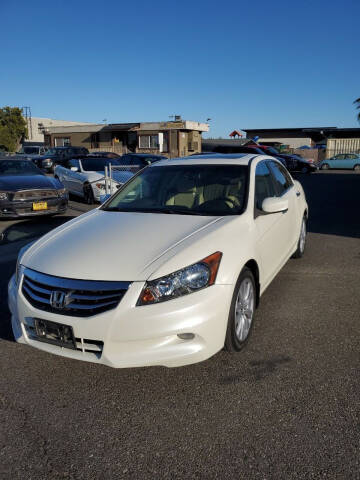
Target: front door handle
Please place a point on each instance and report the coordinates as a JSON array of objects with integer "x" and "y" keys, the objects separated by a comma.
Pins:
[{"x": 298, "y": 194}]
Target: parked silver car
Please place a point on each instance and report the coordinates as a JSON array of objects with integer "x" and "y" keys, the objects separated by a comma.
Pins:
[{"x": 85, "y": 176}]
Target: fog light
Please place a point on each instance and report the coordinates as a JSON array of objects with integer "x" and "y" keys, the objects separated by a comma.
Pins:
[{"x": 186, "y": 336}]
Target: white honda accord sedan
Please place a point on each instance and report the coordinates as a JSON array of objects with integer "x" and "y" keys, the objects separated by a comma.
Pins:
[{"x": 169, "y": 270}]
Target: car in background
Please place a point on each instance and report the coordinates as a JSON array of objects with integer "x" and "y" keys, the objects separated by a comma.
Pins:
[
  {"x": 136, "y": 161},
  {"x": 85, "y": 176},
  {"x": 57, "y": 156},
  {"x": 266, "y": 149},
  {"x": 235, "y": 149},
  {"x": 342, "y": 161},
  {"x": 295, "y": 163},
  {"x": 156, "y": 276},
  {"x": 105, "y": 154},
  {"x": 32, "y": 150},
  {"x": 26, "y": 191}
]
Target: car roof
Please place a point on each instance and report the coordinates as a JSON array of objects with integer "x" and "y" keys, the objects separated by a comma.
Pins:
[
  {"x": 145, "y": 155},
  {"x": 218, "y": 159}
]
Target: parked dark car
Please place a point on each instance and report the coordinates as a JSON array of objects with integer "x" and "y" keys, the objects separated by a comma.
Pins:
[
  {"x": 295, "y": 163},
  {"x": 137, "y": 161},
  {"x": 105, "y": 154},
  {"x": 57, "y": 156},
  {"x": 32, "y": 150},
  {"x": 26, "y": 191},
  {"x": 236, "y": 149}
]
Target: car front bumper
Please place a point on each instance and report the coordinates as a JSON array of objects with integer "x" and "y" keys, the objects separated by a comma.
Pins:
[
  {"x": 16, "y": 209},
  {"x": 134, "y": 336}
]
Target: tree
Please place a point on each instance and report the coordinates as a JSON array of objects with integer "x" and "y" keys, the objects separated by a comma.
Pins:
[
  {"x": 12, "y": 128},
  {"x": 357, "y": 103}
]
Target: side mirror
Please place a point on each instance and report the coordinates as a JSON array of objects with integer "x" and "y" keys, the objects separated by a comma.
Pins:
[
  {"x": 275, "y": 205},
  {"x": 74, "y": 169}
]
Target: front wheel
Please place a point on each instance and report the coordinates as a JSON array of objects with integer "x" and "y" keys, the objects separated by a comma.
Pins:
[
  {"x": 325, "y": 166},
  {"x": 302, "y": 240},
  {"x": 241, "y": 313}
]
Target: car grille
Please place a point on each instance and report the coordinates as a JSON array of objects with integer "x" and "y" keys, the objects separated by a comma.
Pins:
[
  {"x": 76, "y": 298},
  {"x": 34, "y": 194}
]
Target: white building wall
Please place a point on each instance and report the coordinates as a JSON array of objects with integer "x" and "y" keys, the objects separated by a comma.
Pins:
[
  {"x": 292, "y": 142},
  {"x": 342, "y": 145},
  {"x": 35, "y": 135}
]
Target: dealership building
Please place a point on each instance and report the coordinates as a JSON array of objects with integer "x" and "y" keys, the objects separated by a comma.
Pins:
[{"x": 171, "y": 139}]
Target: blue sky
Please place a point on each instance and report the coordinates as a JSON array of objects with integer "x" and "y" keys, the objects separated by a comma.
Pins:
[{"x": 243, "y": 64}]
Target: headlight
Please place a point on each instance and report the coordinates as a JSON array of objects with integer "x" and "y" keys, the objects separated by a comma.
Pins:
[
  {"x": 182, "y": 282},
  {"x": 61, "y": 192},
  {"x": 18, "y": 262},
  {"x": 3, "y": 196}
]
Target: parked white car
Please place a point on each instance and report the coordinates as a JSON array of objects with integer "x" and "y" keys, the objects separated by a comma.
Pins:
[
  {"x": 84, "y": 177},
  {"x": 169, "y": 270}
]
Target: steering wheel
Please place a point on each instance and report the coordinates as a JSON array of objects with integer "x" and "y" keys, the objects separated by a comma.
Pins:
[
  {"x": 215, "y": 203},
  {"x": 228, "y": 200}
]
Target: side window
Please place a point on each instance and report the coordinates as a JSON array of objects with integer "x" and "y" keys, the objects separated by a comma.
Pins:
[
  {"x": 282, "y": 178},
  {"x": 264, "y": 184}
]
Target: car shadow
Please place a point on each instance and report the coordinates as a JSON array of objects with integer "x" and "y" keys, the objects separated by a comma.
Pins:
[
  {"x": 12, "y": 239},
  {"x": 334, "y": 202}
]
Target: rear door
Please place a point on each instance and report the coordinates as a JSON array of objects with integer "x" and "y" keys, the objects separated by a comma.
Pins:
[
  {"x": 286, "y": 189},
  {"x": 349, "y": 160}
]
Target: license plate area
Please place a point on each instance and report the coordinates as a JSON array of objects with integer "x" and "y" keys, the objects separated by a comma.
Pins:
[
  {"x": 39, "y": 206},
  {"x": 54, "y": 333}
]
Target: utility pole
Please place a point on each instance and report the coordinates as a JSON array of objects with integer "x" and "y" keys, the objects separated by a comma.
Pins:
[{"x": 26, "y": 111}]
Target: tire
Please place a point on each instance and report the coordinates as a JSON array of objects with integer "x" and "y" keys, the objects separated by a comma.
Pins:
[
  {"x": 357, "y": 168},
  {"x": 89, "y": 195},
  {"x": 240, "y": 323},
  {"x": 302, "y": 240},
  {"x": 325, "y": 166}
]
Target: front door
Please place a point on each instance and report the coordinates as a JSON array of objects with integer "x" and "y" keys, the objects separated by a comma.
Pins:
[{"x": 272, "y": 229}]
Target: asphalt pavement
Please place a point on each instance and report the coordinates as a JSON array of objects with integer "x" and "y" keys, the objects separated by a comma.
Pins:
[{"x": 287, "y": 407}]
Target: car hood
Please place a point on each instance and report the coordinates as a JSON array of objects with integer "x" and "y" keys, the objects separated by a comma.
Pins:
[
  {"x": 102, "y": 245},
  {"x": 13, "y": 183}
]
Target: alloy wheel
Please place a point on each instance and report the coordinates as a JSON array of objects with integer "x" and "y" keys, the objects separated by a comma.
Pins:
[
  {"x": 244, "y": 309},
  {"x": 302, "y": 237}
]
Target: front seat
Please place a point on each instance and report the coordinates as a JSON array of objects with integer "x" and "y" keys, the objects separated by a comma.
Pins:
[{"x": 184, "y": 195}]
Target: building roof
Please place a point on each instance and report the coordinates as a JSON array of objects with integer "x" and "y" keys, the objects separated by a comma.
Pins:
[
  {"x": 97, "y": 127},
  {"x": 316, "y": 133}
]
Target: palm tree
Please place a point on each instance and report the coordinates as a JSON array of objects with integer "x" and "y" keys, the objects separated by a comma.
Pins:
[{"x": 357, "y": 103}]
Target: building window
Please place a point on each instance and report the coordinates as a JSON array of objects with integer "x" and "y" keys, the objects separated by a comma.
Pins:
[
  {"x": 148, "y": 141},
  {"x": 62, "y": 141}
]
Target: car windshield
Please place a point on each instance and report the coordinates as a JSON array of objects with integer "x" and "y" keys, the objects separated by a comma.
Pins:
[
  {"x": 52, "y": 151},
  {"x": 18, "y": 167},
  {"x": 184, "y": 189},
  {"x": 31, "y": 150},
  {"x": 96, "y": 164}
]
